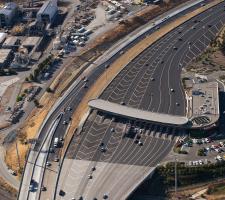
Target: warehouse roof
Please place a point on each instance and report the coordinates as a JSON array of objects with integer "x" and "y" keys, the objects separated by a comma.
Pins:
[
  {"x": 8, "y": 8},
  {"x": 2, "y": 37},
  {"x": 31, "y": 41},
  {"x": 4, "y": 54},
  {"x": 48, "y": 7},
  {"x": 134, "y": 113},
  {"x": 10, "y": 41}
]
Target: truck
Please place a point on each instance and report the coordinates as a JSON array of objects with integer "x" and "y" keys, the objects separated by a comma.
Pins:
[{"x": 56, "y": 142}]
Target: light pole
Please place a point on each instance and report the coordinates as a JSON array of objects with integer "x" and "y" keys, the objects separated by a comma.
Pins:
[
  {"x": 17, "y": 153},
  {"x": 106, "y": 68},
  {"x": 175, "y": 173},
  {"x": 204, "y": 35}
]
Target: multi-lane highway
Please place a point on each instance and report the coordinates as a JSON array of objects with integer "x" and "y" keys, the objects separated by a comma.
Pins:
[{"x": 145, "y": 83}]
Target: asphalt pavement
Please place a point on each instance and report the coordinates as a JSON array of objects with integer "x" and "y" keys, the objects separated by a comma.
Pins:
[
  {"x": 162, "y": 137},
  {"x": 145, "y": 83}
]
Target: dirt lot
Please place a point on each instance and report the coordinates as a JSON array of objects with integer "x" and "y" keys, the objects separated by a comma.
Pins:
[
  {"x": 211, "y": 63},
  {"x": 186, "y": 192},
  {"x": 6, "y": 191}
]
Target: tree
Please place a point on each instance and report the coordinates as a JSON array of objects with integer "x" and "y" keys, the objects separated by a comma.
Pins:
[
  {"x": 19, "y": 98},
  {"x": 31, "y": 77},
  {"x": 36, "y": 102},
  {"x": 36, "y": 73},
  {"x": 201, "y": 152},
  {"x": 25, "y": 91},
  {"x": 49, "y": 90}
]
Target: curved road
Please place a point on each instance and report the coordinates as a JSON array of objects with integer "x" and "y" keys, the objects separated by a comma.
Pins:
[{"x": 145, "y": 83}]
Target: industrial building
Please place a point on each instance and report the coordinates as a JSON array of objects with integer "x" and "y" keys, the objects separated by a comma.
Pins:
[
  {"x": 11, "y": 43},
  {"x": 47, "y": 12},
  {"x": 8, "y": 14},
  {"x": 31, "y": 43},
  {"x": 5, "y": 57}
]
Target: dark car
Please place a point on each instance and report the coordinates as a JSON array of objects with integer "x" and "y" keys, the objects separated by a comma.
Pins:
[{"x": 62, "y": 193}]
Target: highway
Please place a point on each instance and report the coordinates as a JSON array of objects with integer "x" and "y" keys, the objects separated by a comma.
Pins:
[
  {"x": 145, "y": 83},
  {"x": 98, "y": 126}
]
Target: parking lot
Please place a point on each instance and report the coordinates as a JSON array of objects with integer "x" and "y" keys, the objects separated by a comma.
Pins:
[{"x": 201, "y": 151}]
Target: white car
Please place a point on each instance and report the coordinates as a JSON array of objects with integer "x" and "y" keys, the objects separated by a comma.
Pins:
[
  {"x": 218, "y": 157},
  {"x": 206, "y": 140},
  {"x": 152, "y": 79},
  {"x": 208, "y": 148},
  {"x": 140, "y": 143}
]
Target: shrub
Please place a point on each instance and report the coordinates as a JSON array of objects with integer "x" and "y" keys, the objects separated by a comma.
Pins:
[
  {"x": 201, "y": 152},
  {"x": 19, "y": 98},
  {"x": 49, "y": 90}
]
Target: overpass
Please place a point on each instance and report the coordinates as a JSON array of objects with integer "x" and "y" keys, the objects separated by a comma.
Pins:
[{"x": 133, "y": 113}]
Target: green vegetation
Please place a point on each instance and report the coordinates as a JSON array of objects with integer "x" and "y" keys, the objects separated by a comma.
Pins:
[
  {"x": 25, "y": 91},
  {"x": 31, "y": 77},
  {"x": 201, "y": 152},
  {"x": 19, "y": 98},
  {"x": 182, "y": 152},
  {"x": 216, "y": 189},
  {"x": 222, "y": 44},
  {"x": 190, "y": 175},
  {"x": 199, "y": 133},
  {"x": 49, "y": 90},
  {"x": 42, "y": 67}
]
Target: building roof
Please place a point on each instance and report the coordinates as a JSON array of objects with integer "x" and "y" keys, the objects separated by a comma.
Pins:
[
  {"x": 2, "y": 37},
  {"x": 4, "y": 53},
  {"x": 48, "y": 7},
  {"x": 10, "y": 41},
  {"x": 134, "y": 113},
  {"x": 31, "y": 41},
  {"x": 8, "y": 8},
  {"x": 205, "y": 104}
]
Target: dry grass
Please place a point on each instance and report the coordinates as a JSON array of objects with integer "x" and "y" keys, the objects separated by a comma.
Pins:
[
  {"x": 28, "y": 132},
  {"x": 7, "y": 187}
]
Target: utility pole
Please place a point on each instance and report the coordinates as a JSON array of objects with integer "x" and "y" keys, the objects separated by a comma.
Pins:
[{"x": 106, "y": 68}]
